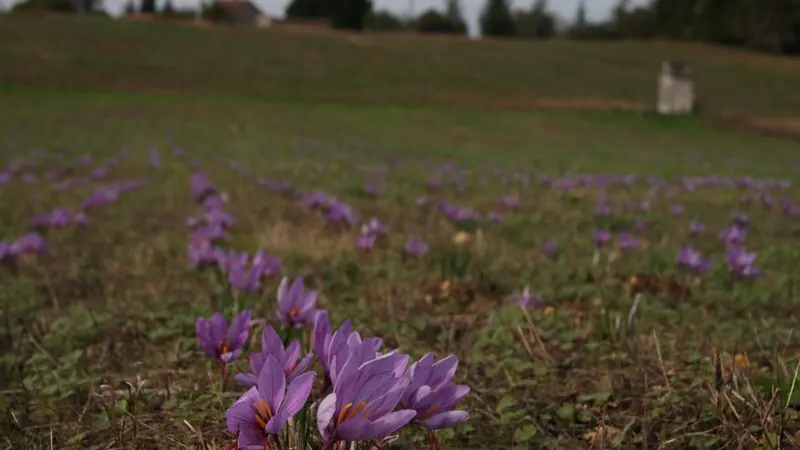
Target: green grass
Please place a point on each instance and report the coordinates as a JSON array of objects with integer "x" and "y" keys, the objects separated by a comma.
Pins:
[
  {"x": 107, "y": 54},
  {"x": 97, "y": 346}
]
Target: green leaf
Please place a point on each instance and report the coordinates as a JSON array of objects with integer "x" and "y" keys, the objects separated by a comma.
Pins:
[
  {"x": 566, "y": 412},
  {"x": 507, "y": 401},
  {"x": 524, "y": 433}
]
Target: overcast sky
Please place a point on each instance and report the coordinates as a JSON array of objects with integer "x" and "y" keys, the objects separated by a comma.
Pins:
[{"x": 597, "y": 9}]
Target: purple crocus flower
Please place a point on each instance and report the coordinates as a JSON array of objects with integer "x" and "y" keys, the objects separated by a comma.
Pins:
[
  {"x": 676, "y": 210},
  {"x": 29, "y": 243},
  {"x": 339, "y": 212},
  {"x": 510, "y": 201},
  {"x": 432, "y": 394},
  {"x": 155, "y": 159},
  {"x": 496, "y": 216},
  {"x": 550, "y": 247},
  {"x": 374, "y": 226},
  {"x": 525, "y": 298},
  {"x": 244, "y": 277},
  {"x": 741, "y": 263},
  {"x": 295, "y": 303},
  {"x": 690, "y": 259},
  {"x": 732, "y": 236},
  {"x": 372, "y": 189},
  {"x": 366, "y": 241},
  {"x": 416, "y": 247},
  {"x": 287, "y": 358},
  {"x": 202, "y": 255},
  {"x": 221, "y": 342},
  {"x": 361, "y": 406},
  {"x": 601, "y": 237},
  {"x": 266, "y": 407},
  {"x": 627, "y": 241},
  {"x": 695, "y": 227}
]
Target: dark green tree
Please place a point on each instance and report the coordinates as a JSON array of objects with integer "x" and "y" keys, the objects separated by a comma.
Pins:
[
  {"x": 455, "y": 16},
  {"x": 538, "y": 23},
  {"x": 168, "y": 9},
  {"x": 311, "y": 9},
  {"x": 496, "y": 19},
  {"x": 148, "y": 7},
  {"x": 350, "y": 14}
]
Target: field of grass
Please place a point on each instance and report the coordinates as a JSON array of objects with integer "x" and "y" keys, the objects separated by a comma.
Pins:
[
  {"x": 621, "y": 348},
  {"x": 100, "y": 53}
]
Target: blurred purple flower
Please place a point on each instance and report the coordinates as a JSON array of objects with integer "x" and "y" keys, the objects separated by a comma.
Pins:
[
  {"x": 416, "y": 247},
  {"x": 689, "y": 258},
  {"x": 695, "y": 227},
  {"x": 627, "y": 241},
  {"x": 550, "y": 247},
  {"x": 525, "y": 298},
  {"x": 741, "y": 263},
  {"x": 601, "y": 237},
  {"x": 296, "y": 305}
]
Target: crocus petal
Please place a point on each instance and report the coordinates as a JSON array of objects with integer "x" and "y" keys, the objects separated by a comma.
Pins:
[
  {"x": 443, "y": 371},
  {"x": 246, "y": 379},
  {"x": 356, "y": 429},
  {"x": 219, "y": 328},
  {"x": 447, "y": 419},
  {"x": 301, "y": 366},
  {"x": 271, "y": 343},
  {"x": 272, "y": 383},
  {"x": 290, "y": 355},
  {"x": 297, "y": 393},
  {"x": 390, "y": 423},
  {"x": 241, "y": 415},
  {"x": 325, "y": 411},
  {"x": 207, "y": 343}
]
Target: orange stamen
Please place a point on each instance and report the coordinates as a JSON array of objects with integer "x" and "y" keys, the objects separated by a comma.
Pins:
[
  {"x": 343, "y": 413},
  {"x": 263, "y": 412},
  {"x": 293, "y": 313},
  {"x": 359, "y": 407},
  {"x": 430, "y": 412}
]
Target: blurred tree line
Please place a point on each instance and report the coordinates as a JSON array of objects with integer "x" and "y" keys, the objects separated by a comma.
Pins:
[{"x": 764, "y": 25}]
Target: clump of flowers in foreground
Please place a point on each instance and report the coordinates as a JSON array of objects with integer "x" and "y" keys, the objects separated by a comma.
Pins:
[{"x": 366, "y": 394}]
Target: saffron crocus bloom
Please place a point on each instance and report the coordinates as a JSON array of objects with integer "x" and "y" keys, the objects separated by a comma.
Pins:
[
  {"x": 287, "y": 358},
  {"x": 601, "y": 237},
  {"x": 266, "y": 407},
  {"x": 221, "y": 342},
  {"x": 295, "y": 303},
  {"x": 627, "y": 241},
  {"x": 550, "y": 247},
  {"x": 334, "y": 349},
  {"x": 741, "y": 263},
  {"x": 689, "y": 258},
  {"x": 732, "y": 236},
  {"x": 416, "y": 247},
  {"x": 523, "y": 299},
  {"x": 30, "y": 243},
  {"x": 695, "y": 227},
  {"x": 361, "y": 407},
  {"x": 432, "y": 394},
  {"x": 366, "y": 241}
]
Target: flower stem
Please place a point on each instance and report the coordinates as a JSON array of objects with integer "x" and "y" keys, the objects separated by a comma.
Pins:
[
  {"x": 301, "y": 442},
  {"x": 224, "y": 382}
]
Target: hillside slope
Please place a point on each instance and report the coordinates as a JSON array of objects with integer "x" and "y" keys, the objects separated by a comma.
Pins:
[{"x": 274, "y": 64}]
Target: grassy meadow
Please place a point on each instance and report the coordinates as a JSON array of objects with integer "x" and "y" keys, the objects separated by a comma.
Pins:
[{"x": 482, "y": 150}]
